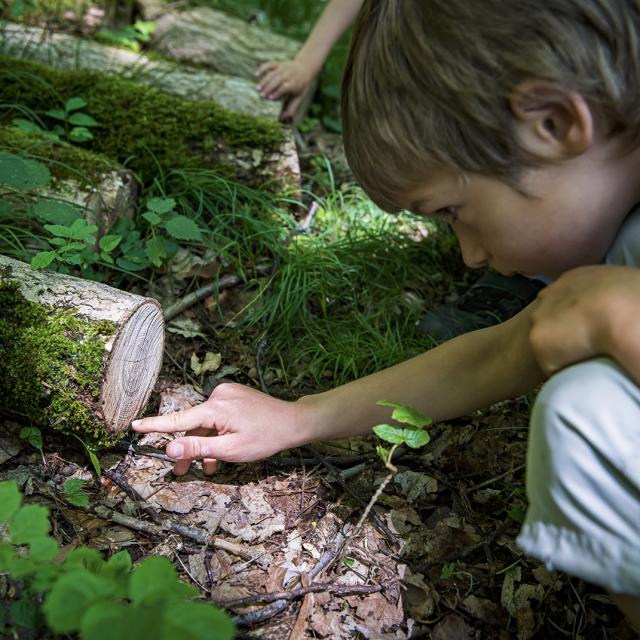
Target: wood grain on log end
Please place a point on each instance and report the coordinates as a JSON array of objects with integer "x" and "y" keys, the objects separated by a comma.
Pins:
[{"x": 133, "y": 366}]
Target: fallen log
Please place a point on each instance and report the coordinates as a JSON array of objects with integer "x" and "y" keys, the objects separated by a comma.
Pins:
[{"x": 79, "y": 356}]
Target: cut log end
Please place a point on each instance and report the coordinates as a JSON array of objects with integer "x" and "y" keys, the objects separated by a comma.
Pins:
[{"x": 133, "y": 367}]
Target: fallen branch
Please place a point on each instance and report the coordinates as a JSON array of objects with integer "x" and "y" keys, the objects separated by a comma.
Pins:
[
  {"x": 226, "y": 282},
  {"x": 315, "y": 587}
]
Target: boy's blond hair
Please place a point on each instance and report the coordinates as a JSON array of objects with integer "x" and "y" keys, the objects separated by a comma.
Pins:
[{"x": 427, "y": 82}]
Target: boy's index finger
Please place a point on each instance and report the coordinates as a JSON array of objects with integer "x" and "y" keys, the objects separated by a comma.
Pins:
[{"x": 186, "y": 420}]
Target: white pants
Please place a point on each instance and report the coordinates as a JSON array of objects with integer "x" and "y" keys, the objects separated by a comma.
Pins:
[{"x": 583, "y": 464}]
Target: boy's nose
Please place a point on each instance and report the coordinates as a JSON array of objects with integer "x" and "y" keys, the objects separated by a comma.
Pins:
[{"x": 473, "y": 255}]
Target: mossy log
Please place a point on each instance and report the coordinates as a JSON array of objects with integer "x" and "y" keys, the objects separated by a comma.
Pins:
[
  {"x": 208, "y": 38},
  {"x": 79, "y": 356},
  {"x": 70, "y": 53},
  {"x": 152, "y": 130}
]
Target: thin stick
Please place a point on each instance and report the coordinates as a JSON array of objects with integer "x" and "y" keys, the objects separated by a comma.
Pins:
[
  {"x": 315, "y": 587},
  {"x": 226, "y": 282}
]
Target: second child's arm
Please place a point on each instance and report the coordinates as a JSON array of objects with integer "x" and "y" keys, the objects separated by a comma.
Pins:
[{"x": 239, "y": 424}]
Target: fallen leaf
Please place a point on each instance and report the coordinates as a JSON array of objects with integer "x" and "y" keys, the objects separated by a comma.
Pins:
[
  {"x": 211, "y": 362},
  {"x": 186, "y": 327}
]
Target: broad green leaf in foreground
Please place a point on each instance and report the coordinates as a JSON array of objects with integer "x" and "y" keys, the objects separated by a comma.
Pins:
[{"x": 10, "y": 499}]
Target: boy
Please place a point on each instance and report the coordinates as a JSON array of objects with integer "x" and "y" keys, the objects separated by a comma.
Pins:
[
  {"x": 517, "y": 122},
  {"x": 494, "y": 297}
]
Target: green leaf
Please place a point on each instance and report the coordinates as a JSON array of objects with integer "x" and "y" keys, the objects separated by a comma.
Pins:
[
  {"x": 32, "y": 434},
  {"x": 389, "y": 433},
  {"x": 156, "y": 250},
  {"x": 73, "y": 104},
  {"x": 95, "y": 463},
  {"x": 110, "y": 621},
  {"x": 10, "y": 499},
  {"x": 24, "y": 613},
  {"x": 80, "y": 134},
  {"x": 56, "y": 212},
  {"x": 26, "y": 125},
  {"x": 183, "y": 228},
  {"x": 70, "y": 598},
  {"x": 155, "y": 580},
  {"x": 73, "y": 489},
  {"x": 29, "y": 523},
  {"x": 382, "y": 453},
  {"x": 118, "y": 563},
  {"x": 196, "y": 621},
  {"x": 43, "y": 259},
  {"x": 59, "y": 230},
  {"x": 80, "y": 230},
  {"x": 43, "y": 550},
  {"x": 161, "y": 205},
  {"x": 85, "y": 558},
  {"x": 21, "y": 173},
  {"x": 152, "y": 217},
  {"x": 57, "y": 114},
  {"x": 109, "y": 243},
  {"x": 416, "y": 438},
  {"x": 406, "y": 415},
  {"x": 82, "y": 120}
]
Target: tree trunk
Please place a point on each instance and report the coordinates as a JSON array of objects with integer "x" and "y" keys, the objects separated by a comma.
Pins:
[{"x": 78, "y": 355}]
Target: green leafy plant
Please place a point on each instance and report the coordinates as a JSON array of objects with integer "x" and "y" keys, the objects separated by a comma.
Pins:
[
  {"x": 33, "y": 436},
  {"x": 74, "y": 123},
  {"x": 412, "y": 434},
  {"x": 87, "y": 595},
  {"x": 74, "y": 492},
  {"x": 129, "y": 36}
]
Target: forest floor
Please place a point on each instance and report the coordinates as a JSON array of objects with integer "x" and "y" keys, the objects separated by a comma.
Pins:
[{"x": 436, "y": 559}]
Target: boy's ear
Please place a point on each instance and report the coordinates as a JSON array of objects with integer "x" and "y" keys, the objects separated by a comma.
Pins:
[{"x": 552, "y": 123}]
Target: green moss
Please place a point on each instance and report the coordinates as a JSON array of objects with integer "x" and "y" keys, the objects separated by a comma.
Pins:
[
  {"x": 139, "y": 125},
  {"x": 51, "y": 366},
  {"x": 64, "y": 161}
]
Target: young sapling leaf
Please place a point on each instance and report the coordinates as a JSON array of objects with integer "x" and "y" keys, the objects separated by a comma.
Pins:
[
  {"x": 73, "y": 104},
  {"x": 183, "y": 228},
  {"x": 152, "y": 217},
  {"x": 32, "y": 434},
  {"x": 390, "y": 433},
  {"x": 406, "y": 415},
  {"x": 161, "y": 205},
  {"x": 43, "y": 259},
  {"x": 74, "y": 491}
]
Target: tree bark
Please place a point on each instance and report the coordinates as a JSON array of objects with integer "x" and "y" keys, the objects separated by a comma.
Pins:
[{"x": 130, "y": 330}]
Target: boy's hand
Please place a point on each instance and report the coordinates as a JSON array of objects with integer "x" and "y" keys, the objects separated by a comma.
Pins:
[
  {"x": 236, "y": 424},
  {"x": 289, "y": 79},
  {"x": 587, "y": 312}
]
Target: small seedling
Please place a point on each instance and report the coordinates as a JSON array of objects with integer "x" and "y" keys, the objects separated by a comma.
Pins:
[
  {"x": 130, "y": 36},
  {"x": 412, "y": 433},
  {"x": 33, "y": 436}
]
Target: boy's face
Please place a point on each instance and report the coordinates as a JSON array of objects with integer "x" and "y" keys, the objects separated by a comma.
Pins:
[{"x": 568, "y": 218}]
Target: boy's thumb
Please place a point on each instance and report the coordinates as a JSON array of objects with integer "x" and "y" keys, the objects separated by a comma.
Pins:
[{"x": 196, "y": 448}]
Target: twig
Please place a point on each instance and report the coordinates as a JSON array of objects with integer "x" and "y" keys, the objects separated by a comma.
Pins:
[
  {"x": 466, "y": 551},
  {"x": 202, "y": 587},
  {"x": 199, "y": 535},
  {"x": 225, "y": 282},
  {"x": 492, "y": 480},
  {"x": 314, "y": 587},
  {"x": 256, "y": 617},
  {"x": 148, "y": 452},
  {"x": 132, "y": 493},
  {"x": 336, "y": 474}
]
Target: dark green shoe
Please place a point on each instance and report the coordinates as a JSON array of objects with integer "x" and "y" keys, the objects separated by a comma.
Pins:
[{"x": 491, "y": 300}]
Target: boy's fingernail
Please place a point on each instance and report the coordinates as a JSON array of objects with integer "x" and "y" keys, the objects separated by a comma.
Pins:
[
  {"x": 175, "y": 451},
  {"x": 135, "y": 423}
]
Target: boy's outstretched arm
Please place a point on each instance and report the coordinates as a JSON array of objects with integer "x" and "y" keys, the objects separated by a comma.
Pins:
[
  {"x": 291, "y": 78},
  {"x": 467, "y": 373}
]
